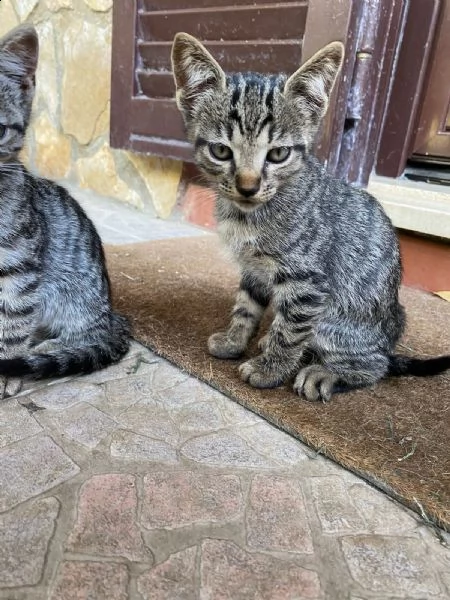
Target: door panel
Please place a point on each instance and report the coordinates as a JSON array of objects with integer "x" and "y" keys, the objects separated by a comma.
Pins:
[
  {"x": 433, "y": 133},
  {"x": 409, "y": 75}
]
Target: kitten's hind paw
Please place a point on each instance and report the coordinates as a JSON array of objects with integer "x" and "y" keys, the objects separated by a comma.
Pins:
[
  {"x": 221, "y": 346},
  {"x": 9, "y": 387},
  {"x": 315, "y": 383},
  {"x": 258, "y": 374}
]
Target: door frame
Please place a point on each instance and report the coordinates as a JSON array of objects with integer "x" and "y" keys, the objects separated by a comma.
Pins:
[{"x": 400, "y": 122}]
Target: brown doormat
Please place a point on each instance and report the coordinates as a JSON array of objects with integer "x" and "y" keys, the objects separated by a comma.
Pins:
[{"x": 177, "y": 292}]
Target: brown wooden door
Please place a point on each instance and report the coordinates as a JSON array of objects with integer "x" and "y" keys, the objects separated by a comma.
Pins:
[{"x": 433, "y": 134}]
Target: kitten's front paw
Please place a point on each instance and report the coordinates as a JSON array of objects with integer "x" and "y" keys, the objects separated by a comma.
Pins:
[
  {"x": 9, "y": 386},
  {"x": 315, "y": 383},
  {"x": 258, "y": 374},
  {"x": 220, "y": 346}
]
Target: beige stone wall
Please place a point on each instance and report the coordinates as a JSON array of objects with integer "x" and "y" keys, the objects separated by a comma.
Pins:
[{"x": 69, "y": 135}]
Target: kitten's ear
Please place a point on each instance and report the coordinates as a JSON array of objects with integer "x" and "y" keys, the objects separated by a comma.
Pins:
[
  {"x": 19, "y": 51},
  {"x": 195, "y": 71},
  {"x": 310, "y": 86}
]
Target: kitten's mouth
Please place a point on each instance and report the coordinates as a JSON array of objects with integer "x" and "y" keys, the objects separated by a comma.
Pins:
[{"x": 247, "y": 204}]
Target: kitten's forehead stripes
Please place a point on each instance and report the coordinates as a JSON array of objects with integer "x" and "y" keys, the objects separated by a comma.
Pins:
[
  {"x": 251, "y": 102},
  {"x": 267, "y": 119}
]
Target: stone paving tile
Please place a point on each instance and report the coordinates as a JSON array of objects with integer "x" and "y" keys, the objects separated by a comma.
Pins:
[
  {"x": 131, "y": 364},
  {"x": 148, "y": 419},
  {"x": 127, "y": 445},
  {"x": 126, "y": 392},
  {"x": 24, "y": 537},
  {"x": 106, "y": 519},
  {"x": 79, "y": 580},
  {"x": 359, "y": 597},
  {"x": 199, "y": 417},
  {"x": 31, "y": 467},
  {"x": 174, "y": 579},
  {"x": 58, "y": 397},
  {"x": 235, "y": 414},
  {"x": 225, "y": 449},
  {"x": 187, "y": 392},
  {"x": 268, "y": 440},
  {"x": 276, "y": 516},
  {"x": 118, "y": 223},
  {"x": 83, "y": 424},
  {"x": 336, "y": 512},
  {"x": 397, "y": 566},
  {"x": 230, "y": 573},
  {"x": 167, "y": 376},
  {"x": 445, "y": 577},
  {"x": 438, "y": 545},
  {"x": 176, "y": 394},
  {"x": 31, "y": 385},
  {"x": 184, "y": 498},
  {"x": 381, "y": 514},
  {"x": 16, "y": 423}
]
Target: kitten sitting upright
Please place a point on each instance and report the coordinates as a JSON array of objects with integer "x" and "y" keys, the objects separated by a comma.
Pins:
[
  {"x": 322, "y": 252},
  {"x": 55, "y": 309}
]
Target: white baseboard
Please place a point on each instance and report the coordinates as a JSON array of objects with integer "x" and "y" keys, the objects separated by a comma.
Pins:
[{"x": 414, "y": 206}]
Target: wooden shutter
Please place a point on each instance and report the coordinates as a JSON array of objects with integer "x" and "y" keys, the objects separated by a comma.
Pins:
[
  {"x": 242, "y": 35},
  {"x": 265, "y": 36}
]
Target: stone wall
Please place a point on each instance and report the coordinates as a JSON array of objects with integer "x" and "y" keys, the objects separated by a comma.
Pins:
[{"x": 69, "y": 137}]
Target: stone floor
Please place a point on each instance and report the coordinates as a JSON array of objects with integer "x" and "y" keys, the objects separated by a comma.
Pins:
[{"x": 140, "y": 482}]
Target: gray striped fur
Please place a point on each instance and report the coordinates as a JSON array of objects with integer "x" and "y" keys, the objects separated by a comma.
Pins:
[
  {"x": 55, "y": 309},
  {"x": 322, "y": 253}
]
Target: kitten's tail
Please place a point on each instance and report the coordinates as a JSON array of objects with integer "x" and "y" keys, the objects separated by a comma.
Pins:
[
  {"x": 107, "y": 348},
  {"x": 419, "y": 367}
]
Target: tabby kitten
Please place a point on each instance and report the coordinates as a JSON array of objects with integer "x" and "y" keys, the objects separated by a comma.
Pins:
[
  {"x": 323, "y": 253},
  {"x": 55, "y": 309}
]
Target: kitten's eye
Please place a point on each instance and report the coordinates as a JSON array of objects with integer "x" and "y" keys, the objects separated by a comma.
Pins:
[
  {"x": 220, "y": 151},
  {"x": 278, "y": 155},
  {"x": 3, "y": 130}
]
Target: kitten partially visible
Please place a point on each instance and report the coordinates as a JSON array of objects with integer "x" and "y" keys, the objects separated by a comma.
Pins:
[
  {"x": 55, "y": 308},
  {"x": 322, "y": 252}
]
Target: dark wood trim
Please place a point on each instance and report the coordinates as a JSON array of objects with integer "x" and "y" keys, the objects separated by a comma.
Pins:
[
  {"x": 379, "y": 33},
  {"x": 162, "y": 113},
  {"x": 122, "y": 72},
  {"x": 433, "y": 125},
  {"x": 371, "y": 30},
  {"x": 262, "y": 55},
  {"x": 181, "y": 4},
  {"x": 176, "y": 149},
  {"x": 400, "y": 121},
  {"x": 233, "y": 23},
  {"x": 329, "y": 21}
]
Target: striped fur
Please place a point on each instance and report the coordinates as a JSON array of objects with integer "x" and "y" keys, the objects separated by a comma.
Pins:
[
  {"x": 55, "y": 310},
  {"x": 324, "y": 254}
]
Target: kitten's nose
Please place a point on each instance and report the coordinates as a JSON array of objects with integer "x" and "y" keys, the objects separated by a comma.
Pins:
[{"x": 248, "y": 183}]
